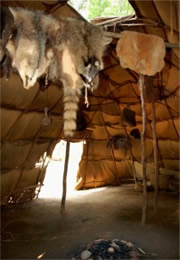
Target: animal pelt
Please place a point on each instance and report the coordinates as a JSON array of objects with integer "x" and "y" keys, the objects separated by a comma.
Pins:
[
  {"x": 6, "y": 67},
  {"x": 141, "y": 52},
  {"x": 135, "y": 133},
  {"x": 128, "y": 117},
  {"x": 28, "y": 46},
  {"x": 119, "y": 142},
  {"x": 6, "y": 28},
  {"x": 66, "y": 50}
]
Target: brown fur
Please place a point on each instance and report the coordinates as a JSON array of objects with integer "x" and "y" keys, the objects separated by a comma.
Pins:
[
  {"x": 67, "y": 49},
  {"x": 141, "y": 52},
  {"x": 6, "y": 28},
  {"x": 85, "y": 44}
]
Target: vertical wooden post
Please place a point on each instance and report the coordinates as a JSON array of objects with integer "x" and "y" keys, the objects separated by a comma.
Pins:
[
  {"x": 63, "y": 200},
  {"x": 155, "y": 158},
  {"x": 143, "y": 160},
  {"x": 87, "y": 154}
]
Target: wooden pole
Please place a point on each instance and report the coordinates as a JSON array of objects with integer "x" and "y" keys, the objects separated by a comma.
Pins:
[
  {"x": 118, "y": 36},
  {"x": 63, "y": 200},
  {"x": 156, "y": 167},
  {"x": 143, "y": 160},
  {"x": 87, "y": 154}
]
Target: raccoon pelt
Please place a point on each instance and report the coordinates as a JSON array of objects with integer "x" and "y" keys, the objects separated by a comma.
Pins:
[{"x": 65, "y": 49}]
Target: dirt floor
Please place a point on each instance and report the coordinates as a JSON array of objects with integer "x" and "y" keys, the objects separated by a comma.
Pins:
[{"x": 36, "y": 230}]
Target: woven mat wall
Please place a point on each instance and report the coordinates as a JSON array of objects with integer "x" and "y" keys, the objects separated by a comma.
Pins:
[{"x": 27, "y": 145}]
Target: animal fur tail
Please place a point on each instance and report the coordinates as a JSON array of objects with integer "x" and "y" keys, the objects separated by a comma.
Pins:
[{"x": 71, "y": 99}]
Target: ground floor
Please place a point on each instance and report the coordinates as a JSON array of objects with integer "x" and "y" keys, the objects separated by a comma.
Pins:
[{"x": 36, "y": 230}]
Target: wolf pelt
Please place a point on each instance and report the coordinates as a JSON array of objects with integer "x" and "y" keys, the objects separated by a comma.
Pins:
[
  {"x": 64, "y": 49},
  {"x": 28, "y": 46}
]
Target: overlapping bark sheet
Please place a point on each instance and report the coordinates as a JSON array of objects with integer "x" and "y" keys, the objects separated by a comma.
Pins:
[{"x": 27, "y": 145}]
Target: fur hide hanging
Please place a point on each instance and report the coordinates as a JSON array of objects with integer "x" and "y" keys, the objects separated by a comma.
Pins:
[{"x": 141, "y": 52}]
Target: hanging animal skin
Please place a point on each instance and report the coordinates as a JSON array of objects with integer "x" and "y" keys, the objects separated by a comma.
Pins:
[
  {"x": 128, "y": 117},
  {"x": 141, "y": 52},
  {"x": 27, "y": 47},
  {"x": 6, "y": 28},
  {"x": 119, "y": 142},
  {"x": 135, "y": 133},
  {"x": 67, "y": 50}
]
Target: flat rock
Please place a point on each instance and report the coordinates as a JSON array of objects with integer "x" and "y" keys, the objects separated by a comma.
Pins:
[
  {"x": 111, "y": 250},
  {"x": 86, "y": 254},
  {"x": 115, "y": 246}
]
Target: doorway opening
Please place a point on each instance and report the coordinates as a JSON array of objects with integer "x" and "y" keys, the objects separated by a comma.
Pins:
[{"x": 52, "y": 187}]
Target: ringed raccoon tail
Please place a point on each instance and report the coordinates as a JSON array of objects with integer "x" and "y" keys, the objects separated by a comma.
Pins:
[{"x": 71, "y": 99}]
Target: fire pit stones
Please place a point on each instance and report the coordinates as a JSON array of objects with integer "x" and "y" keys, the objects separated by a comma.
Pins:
[{"x": 109, "y": 249}]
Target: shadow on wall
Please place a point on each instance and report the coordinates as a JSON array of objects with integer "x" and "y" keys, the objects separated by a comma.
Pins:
[{"x": 54, "y": 174}]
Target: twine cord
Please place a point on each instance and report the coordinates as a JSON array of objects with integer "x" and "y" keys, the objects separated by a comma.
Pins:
[{"x": 86, "y": 102}]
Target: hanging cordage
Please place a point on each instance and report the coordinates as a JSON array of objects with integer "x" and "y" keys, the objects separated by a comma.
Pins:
[
  {"x": 86, "y": 96},
  {"x": 46, "y": 119}
]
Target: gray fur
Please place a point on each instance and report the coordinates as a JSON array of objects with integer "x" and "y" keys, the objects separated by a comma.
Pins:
[{"x": 68, "y": 50}]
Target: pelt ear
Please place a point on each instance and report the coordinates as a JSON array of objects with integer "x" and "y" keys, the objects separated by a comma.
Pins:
[
  {"x": 14, "y": 12},
  {"x": 17, "y": 16}
]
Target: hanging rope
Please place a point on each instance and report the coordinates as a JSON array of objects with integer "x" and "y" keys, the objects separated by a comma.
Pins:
[
  {"x": 143, "y": 161},
  {"x": 86, "y": 96}
]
